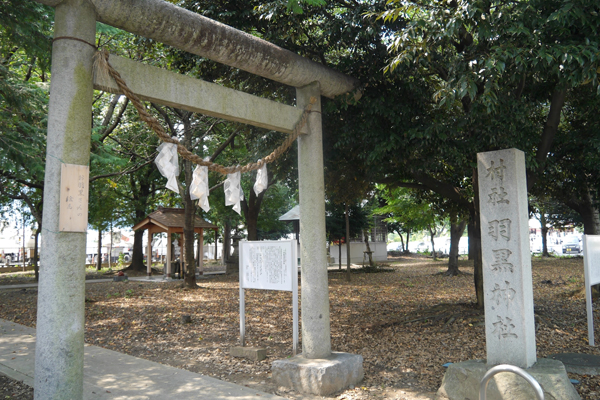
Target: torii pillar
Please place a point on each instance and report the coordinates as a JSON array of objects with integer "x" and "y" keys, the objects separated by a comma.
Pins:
[
  {"x": 61, "y": 293},
  {"x": 317, "y": 370},
  {"x": 316, "y": 336}
]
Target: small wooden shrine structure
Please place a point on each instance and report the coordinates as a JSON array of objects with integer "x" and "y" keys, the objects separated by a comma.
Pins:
[
  {"x": 293, "y": 216},
  {"x": 171, "y": 220}
]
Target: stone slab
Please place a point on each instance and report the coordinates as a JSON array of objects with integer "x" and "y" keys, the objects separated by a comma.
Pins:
[
  {"x": 576, "y": 363},
  {"x": 319, "y": 376},
  {"x": 251, "y": 353},
  {"x": 462, "y": 380}
]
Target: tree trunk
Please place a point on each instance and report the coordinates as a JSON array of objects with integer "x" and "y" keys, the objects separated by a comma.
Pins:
[
  {"x": 589, "y": 215},
  {"x": 471, "y": 235},
  {"x": 340, "y": 253},
  {"x": 251, "y": 227},
  {"x": 227, "y": 241},
  {"x": 432, "y": 233},
  {"x": 142, "y": 191},
  {"x": 407, "y": 238},
  {"x": 251, "y": 209},
  {"x": 110, "y": 247},
  {"x": 216, "y": 243},
  {"x": 188, "y": 266},
  {"x": 544, "y": 234},
  {"x": 347, "y": 217},
  {"x": 230, "y": 268},
  {"x": 369, "y": 250},
  {"x": 456, "y": 231},
  {"x": 401, "y": 242},
  {"x": 557, "y": 102},
  {"x": 476, "y": 237},
  {"x": 137, "y": 256},
  {"x": 99, "y": 257}
]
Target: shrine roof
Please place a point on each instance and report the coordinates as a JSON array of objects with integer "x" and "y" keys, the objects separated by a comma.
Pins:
[
  {"x": 292, "y": 215},
  {"x": 169, "y": 218}
]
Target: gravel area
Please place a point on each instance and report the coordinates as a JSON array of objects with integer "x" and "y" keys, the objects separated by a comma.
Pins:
[
  {"x": 11, "y": 389},
  {"x": 406, "y": 322}
]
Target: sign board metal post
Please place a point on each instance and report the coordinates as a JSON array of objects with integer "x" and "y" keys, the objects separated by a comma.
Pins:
[
  {"x": 591, "y": 268},
  {"x": 269, "y": 265}
]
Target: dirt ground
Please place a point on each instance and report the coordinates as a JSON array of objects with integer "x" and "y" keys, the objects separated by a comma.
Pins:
[{"x": 407, "y": 322}]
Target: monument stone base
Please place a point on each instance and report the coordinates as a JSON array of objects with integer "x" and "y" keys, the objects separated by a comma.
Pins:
[
  {"x": 462, "y": 381},
  {"x": 232, "y": 266},
  {"x": 318, "y": 376},
  {"x": 583, "y": 364},
  {"x": 251, "y": 353}
]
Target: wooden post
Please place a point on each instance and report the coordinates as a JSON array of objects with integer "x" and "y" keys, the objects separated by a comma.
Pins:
[
  {"x": 182, "y": 260},
  {"x": 169, "y": 253},
  {"x": 216, "y": 239},
  {"x": 149, "y": 254},
  {"x": 201, "y": 252}
]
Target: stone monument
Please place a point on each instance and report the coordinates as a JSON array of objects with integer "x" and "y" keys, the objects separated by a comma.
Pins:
[
  {"x": 507, "y": 280},
  {"x": 508, "y": 291}
]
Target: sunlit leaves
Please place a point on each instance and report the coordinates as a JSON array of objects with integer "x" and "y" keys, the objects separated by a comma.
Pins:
[
  {"x": 544, "y": 40},
  {"x": 296, "y": 5}
]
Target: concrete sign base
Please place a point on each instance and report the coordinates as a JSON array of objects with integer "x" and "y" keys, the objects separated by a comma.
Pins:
[
  {"x": 462, "y": 380},
  {"x": 319, "y": 376},
  {"x": 578, "y": 363}
]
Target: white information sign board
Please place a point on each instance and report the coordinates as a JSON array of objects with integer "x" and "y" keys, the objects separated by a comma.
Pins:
[
  {"x": 591, "y": 268},
  {"x": 269, "y": 265}
]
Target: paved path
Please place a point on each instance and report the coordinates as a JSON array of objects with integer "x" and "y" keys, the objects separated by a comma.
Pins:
[{"x": 111, "y": 375}]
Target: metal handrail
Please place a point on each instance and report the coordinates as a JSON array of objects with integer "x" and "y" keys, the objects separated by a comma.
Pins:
[{"x": 539, "y": 393}]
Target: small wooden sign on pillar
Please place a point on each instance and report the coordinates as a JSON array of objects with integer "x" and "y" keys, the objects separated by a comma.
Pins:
[{"x": 74, "y": 194}]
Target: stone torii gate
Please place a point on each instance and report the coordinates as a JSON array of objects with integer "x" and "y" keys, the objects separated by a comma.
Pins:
[{"x": 60, "y": 323}]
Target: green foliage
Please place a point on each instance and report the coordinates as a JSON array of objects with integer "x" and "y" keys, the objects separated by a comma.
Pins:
[
  {"x": 24, "y": 60},
  {"x": 296, "y": 7},
  {"x": 25, "y": 30},
  {"x": 478, "y": 48},
  {"x": 403, "y": 210},
  {"x": 335, "y": 220},
  {"x": 277, "y": 201}
]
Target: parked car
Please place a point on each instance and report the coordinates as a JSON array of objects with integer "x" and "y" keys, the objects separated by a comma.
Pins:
[
  {"x": 422, "y": 246},
  {"x": 9, "y": 258},
  {"x": 571, "y": 245},
  {"x": 394, "y": 246},
  {"x": 92, "y": 258}
]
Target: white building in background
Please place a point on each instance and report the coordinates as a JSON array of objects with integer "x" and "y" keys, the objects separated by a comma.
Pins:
[
  {"x": 358, "y": 247},
  {"x": 12, "y": 241}
]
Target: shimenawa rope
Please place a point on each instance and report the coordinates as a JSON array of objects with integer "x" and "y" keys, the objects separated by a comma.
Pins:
[{"x": 102, "y": 66}]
